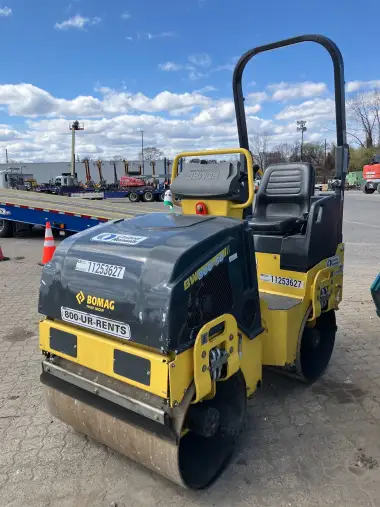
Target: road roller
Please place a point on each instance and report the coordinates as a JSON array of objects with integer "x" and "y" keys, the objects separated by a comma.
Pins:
[{"x": 156, "y": 329}]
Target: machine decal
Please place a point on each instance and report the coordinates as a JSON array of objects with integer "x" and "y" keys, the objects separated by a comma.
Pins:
[
  {"x": 281, "y": 280},
  {"x": 100, "y": 268},
  {"x": 333, "y": 261},
  {"x": 202, "y": 175},
  {"x": 95, "y": 302},
  {"x": 206, "y": 268},
  {"x": 121, "y": 239},
  {"x": 233, "y": 257},
  {"x": 4, "y": 212},
  {"x": 108, "y": 326}
]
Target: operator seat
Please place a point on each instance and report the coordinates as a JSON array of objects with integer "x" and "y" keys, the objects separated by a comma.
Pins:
[{"x": 283, "y": 199}]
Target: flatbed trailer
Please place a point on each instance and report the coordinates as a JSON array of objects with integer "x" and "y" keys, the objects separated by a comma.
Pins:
[{"x": 20, "y": 210}]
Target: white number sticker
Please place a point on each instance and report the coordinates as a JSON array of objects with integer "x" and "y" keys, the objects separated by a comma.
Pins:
[
  {"x": 99, "y": 268},
  {"x": 282, "y": 280}
]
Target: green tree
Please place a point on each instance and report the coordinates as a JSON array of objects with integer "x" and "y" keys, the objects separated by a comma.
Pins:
[{"x": 359, "y": 157}]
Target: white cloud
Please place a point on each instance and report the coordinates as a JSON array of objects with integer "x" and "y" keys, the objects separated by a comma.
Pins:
[
  {"x": 286, "y": 91},
  {"x": 194, "y": 75},
  {"x": 28, "y": 100},
  {"x": 172, "y": 121},
  {"x": 229, "y": 65},
  {"x": 206, "y": 89},
  {"x": 311, "y": 109},
  {"x": 257, "y": 97},
  {"x": 78, "y": 22},
  {"x": 126, "y": 15},
  {"x": 129, "y": 38},
  {"x": 5, "y": 11},
  {"x": 222, "y": 110},
  {"x": 161, "y": 35},
  {"x": 354, "y": 86},
  {"x": 200, "y": 60},
  {"x": 169, "y": 66}
]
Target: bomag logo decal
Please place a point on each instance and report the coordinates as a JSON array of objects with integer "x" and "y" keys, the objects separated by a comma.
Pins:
[
  {"x": 80, "y": 297},
  {"x": 206, "y": 268},
  {"x": 95, "y": 302}
]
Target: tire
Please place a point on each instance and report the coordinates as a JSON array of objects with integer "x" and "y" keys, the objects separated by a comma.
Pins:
[
  {"x": 161, "y": 197},
  {"x": 367, "y": 190},
  {"x": 378, "y": 187},
  {"x": 134, "y": 197},
  {"x": 6, "y": 229},
  {"x": 148, "y": 196}
]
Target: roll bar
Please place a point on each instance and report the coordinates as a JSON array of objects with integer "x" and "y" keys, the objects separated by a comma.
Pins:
[{"x": 342, "y": 152}]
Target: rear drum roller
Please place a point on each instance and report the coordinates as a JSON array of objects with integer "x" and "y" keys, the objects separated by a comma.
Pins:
[
  {"x": 209, "y": 430},
  {"x": 315, "y": 347}
]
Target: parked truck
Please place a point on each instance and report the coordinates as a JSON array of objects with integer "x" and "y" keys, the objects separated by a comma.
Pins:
[{"x": 14, "y": 178}]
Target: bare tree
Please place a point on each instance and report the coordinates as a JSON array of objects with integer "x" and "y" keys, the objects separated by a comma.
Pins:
[
  {"x": 363, "y": 114},
  {"x": 258, "y": 144},
  {"x": 152, "y": 153},
  {"x": 376, "y": 108},
  {"x": 285, "y": 151}
]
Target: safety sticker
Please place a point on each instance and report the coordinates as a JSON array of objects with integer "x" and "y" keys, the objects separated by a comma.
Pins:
[
  {"x": 121, "y": 239},
  {"x": 111, "y": 327},
  {"x": 4, "y": 212},
  {"x": 333, "y": 261},
  {"x": 100, "y": 268},
  {"x": 282, "y": 280}
]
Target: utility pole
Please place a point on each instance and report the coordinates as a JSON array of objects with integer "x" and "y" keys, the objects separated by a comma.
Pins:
[
  {"x": 74, "y": 127},
  {"x": 142, "y": 151},
  {"x": 6, "y": 155},
  {"x": 301, "y": 127}
]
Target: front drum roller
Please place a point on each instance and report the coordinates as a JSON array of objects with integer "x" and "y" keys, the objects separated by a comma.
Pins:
[
  {"x": 315, "y": 347},
  {"x": 209, "y": 432}
]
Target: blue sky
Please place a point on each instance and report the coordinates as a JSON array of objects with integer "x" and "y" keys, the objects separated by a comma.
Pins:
[{"x": 109, "y": 64}]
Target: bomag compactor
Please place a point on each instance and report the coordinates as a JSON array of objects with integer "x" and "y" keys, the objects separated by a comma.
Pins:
[{"x": 157, "y": 328}]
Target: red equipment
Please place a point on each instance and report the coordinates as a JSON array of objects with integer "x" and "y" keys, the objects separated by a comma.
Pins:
[
  {"x": 128, "y": 181},
  {"x": 371, "y": 175}
]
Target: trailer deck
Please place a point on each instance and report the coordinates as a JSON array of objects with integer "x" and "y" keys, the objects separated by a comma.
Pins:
[{"x": 63, "y": 213}]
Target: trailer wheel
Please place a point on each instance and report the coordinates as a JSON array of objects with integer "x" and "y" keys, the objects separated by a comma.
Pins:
[
  {"x": 161, "y": 197},
  {"x": 148, "y": 196},
  {"x": 134, "y": 197},
  {"x": 6, "y": 229}
]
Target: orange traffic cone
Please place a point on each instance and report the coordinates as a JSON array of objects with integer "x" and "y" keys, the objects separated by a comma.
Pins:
[
  {"x": 2, "y": 258},
  {"x": 49, "y": 247}
]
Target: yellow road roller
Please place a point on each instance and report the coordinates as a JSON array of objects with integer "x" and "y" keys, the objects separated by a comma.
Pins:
[{"x": 157, "y": 328}]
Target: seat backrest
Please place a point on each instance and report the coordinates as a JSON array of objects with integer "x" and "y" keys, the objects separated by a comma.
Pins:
[{"x": 285, "y": 190}]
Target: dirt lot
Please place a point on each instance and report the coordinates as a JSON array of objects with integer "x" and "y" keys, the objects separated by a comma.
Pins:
[{"x": 303, "y": 446}]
